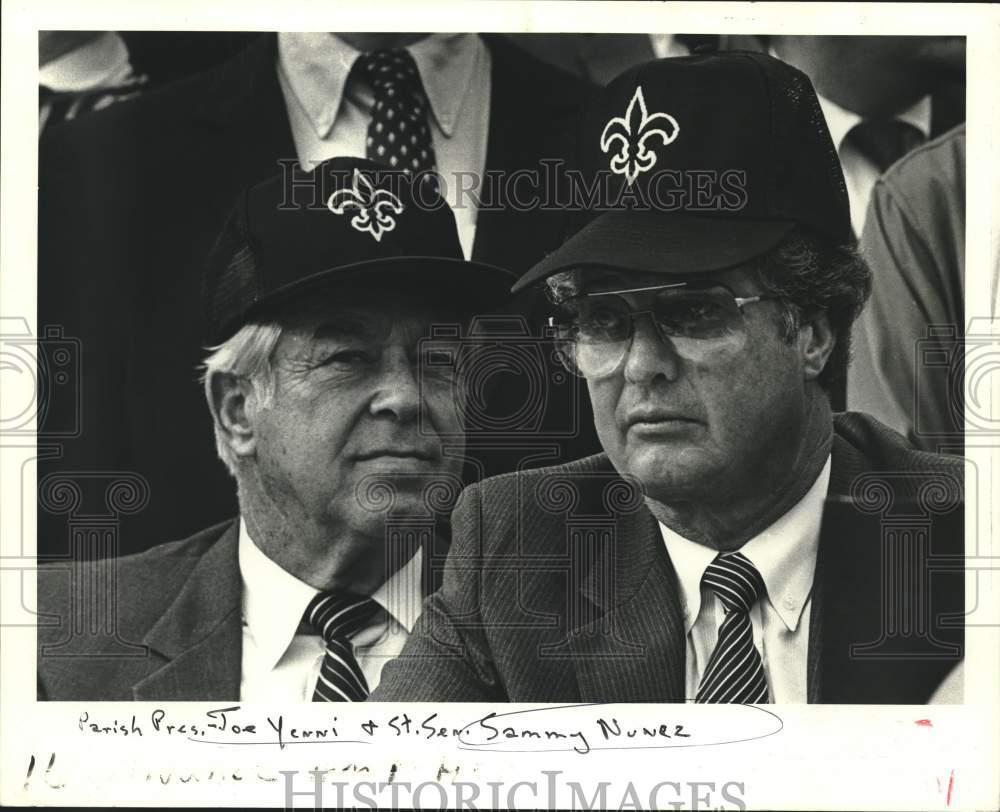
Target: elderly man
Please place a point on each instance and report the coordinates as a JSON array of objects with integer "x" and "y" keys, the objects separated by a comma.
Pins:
[
  {"x": 737, "y": 541},
  {"x": 343, "y": 439},
  {"x": 474, "y": 105}
]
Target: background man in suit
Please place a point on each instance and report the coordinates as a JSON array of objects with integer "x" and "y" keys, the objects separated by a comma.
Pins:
[
  {"x": 131, "y": 198},
  {"x": 333, "y": 423},
  {"x": 728, "y": 545},
  {"x": 914, "y": 241}
]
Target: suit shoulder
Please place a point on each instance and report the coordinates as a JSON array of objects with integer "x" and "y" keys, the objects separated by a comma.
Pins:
[
  {"x": 888, "y": 451},
  {"x": 150, "y": 118},
  {"x": 530, "y": 506},
  {"x": 144, "y": 581},
  {"x": 947, "y": 151},
  {"x": 583, "y": 468}
]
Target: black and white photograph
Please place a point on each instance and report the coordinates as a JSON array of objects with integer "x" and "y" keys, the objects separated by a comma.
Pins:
[{"x": 592, "y": 394}]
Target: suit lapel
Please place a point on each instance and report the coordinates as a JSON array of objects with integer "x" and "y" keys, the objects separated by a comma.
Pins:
[
  {"x": 534, "y": 108},
  {"x": 200, "y": 635},
  {"x": 845, "y": 465},
  {"x": 634, "y": 650},
  {"x": 244, "y": 109}
]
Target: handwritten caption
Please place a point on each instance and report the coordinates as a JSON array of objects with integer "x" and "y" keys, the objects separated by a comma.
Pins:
[{"x": 577, "y": 728}]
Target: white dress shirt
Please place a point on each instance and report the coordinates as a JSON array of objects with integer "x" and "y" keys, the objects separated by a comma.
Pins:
[
  {"x": 860, "y": 173},
  {"x": 665, "y": 45},
  {"x": 329, "y": 115},
  {"x": 282, "y": 665},
  {"x": 100, "y": 62},
  {"x": 785, "y": 556}
]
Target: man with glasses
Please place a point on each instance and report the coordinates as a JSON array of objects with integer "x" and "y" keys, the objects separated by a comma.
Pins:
[{"x": 736, "y": 541}]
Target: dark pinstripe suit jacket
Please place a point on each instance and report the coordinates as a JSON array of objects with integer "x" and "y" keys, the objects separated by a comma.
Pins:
[{"x": 558, "y": 587}]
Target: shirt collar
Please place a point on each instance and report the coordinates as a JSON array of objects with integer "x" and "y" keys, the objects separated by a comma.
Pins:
[
  {"x": 447, "y": 62},
  {"x": 840, "y": 120},
  {"x": 784, "y": 554},
  {"x": 274, "y": 600},
  {"x": 402, "y": 595},
  {"x": 317, "y": 66}
]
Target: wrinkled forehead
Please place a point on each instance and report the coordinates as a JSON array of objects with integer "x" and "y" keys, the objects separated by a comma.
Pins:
[{"x": 368, "y": 314}]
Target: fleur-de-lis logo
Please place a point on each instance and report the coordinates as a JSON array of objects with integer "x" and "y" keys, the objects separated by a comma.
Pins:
[
  {"x": 632, "y": 132},
  {"x": 375, "y": 207}
]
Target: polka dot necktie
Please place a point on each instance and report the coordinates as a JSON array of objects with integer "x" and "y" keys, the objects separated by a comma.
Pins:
[
  {"x": 735, "y": 671},
  {"x": 337, "y": 617},
  {"x": 398, "y": 133}
]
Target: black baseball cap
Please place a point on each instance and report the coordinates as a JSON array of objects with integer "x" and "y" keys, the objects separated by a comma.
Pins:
[
  {"x": 702, "y": 163},
  {"x": 349, "y": 220}
]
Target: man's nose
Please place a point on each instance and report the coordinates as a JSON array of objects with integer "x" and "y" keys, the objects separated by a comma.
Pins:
[
  {"x": 651, "y": 355},
  {"x": 397, "y": 392}
]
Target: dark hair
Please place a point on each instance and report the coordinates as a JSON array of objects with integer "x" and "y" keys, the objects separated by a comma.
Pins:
[{"x": 810, "y": 275}]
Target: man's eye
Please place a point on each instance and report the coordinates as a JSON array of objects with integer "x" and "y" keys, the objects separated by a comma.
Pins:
[
  {"x": 347, "y": 359},
  {"x": 601, "y": 322},
  {"x": 693, "y": 316}
]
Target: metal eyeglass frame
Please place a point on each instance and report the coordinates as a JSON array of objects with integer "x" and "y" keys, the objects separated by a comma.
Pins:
[{"x": 740, "y": 301}]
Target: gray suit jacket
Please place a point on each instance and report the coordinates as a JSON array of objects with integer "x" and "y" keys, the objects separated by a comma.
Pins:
[
  {"x": 163, "y": 625},
  {"x": 558, "y": 587}
]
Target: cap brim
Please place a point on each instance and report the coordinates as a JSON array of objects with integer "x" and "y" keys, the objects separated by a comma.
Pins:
[
  {"x": 471, "y": 287},
  {"x": 660, "y": 242}
]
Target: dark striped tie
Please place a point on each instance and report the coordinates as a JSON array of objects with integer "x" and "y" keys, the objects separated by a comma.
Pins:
[
  {"x": 337, "y": 617},
  {"x": 735, "y": 672}
]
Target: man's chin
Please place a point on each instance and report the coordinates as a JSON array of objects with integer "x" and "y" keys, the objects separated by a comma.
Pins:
[
  {"x": 408, "y": 494},
  {"x": 673, "y": 473}
]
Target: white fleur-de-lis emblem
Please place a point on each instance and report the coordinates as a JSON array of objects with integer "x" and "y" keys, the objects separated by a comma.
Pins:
[
  {"x": 375, "y": 207},
  {"x": 632, "y": 132}
]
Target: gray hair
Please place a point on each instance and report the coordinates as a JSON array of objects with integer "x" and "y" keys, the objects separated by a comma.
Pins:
[
  {"x": 807, "y": 274},
  {"x": 247, "y": 354}
]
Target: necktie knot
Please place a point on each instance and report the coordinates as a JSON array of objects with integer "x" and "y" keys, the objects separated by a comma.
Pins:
[
  {"x": 398, "y": 134},
  {"x": 884, "y": 141},
  {"x": 389, "y": 68},
  {"x": 735, "y": 581},
  {"x": 338, "y": 616}
]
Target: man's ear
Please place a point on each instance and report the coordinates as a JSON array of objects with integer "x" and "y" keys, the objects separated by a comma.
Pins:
[
  {"x": 816, "y": 343},
  {"x": 232, "y": 404}
]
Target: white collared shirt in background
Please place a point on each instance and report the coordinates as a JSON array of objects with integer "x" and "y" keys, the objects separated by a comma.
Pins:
[
  {"x": 281, "y": 665},
  {"x": 785, "y": 556},
  {"x": 329, "y": 115},
  {"x": 98, "y": 63},
  {"x": 860, "y": 173},
  {"x": 665, "y": 45}
]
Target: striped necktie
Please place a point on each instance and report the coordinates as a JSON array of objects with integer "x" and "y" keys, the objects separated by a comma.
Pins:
[
  {"x": 735, "y": 672},
  {"x": 337, "y": 617}
]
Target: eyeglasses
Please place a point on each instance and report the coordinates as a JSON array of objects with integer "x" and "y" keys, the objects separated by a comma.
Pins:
[{"x": 594, "y": 331}]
